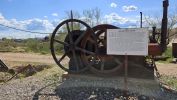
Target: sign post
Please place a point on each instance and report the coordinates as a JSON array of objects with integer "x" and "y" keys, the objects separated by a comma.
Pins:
[
  {"x": 126, "y": 75},
  {"x": 127, "y": 42}
]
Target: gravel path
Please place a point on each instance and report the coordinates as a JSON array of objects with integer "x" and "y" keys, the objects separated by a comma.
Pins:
[
  {"x": 26, "y": 88},
  {"x": 20, "y": 89},
  {"x": 79, "y": 88}
]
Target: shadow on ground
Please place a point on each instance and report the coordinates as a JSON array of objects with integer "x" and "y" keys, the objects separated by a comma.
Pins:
[{"x": 61, "y": 92}]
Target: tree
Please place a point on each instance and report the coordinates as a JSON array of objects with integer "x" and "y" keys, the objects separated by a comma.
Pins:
[
  {"x": 76, "y": 15},
  {"x": 172, "y": 21},
  {"x": 156, "y": 22},
  {"x": 89, "y": 16},
  {"x": 92, "y": 16},
  {"x": 97, "y": 15}
]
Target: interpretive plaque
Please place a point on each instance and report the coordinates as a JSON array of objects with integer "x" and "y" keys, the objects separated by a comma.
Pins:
[{"x": 127, "y": 41}]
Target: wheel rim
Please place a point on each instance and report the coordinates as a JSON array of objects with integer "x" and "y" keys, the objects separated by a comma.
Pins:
[
  {"x": 72, "y": 45},
  {"x": 102, "y": 61}
]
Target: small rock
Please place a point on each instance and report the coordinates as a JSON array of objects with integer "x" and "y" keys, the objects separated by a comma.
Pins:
[{"x": 92, "y": 96}]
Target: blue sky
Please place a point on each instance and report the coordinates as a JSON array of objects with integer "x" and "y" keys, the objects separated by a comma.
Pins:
[{"x": 42, "y": 15}]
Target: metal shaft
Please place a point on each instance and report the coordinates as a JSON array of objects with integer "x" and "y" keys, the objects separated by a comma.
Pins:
[
  {"x": 141, "y": 20},
  {"x": 71, "y": 18}
]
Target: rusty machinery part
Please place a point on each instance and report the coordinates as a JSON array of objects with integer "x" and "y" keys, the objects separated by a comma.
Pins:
[
  {"x": 3, "y": 67},
  {"x": 101, "y": 63},
  {"x": 155, "y": 36},
  {"x": 75, "y": 35},
  {"x": 70, "y": 44},
  {"x": 15, "y": 73}
]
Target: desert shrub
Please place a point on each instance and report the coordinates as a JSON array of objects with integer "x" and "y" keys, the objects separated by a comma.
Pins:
[{"x": 31, "y": 45}]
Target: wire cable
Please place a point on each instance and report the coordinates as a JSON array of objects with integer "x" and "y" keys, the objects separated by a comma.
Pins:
[{"x": 22, "y": 29}]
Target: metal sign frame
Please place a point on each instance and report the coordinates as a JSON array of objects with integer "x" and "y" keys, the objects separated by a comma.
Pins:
[{"x": 132, "y": 41}]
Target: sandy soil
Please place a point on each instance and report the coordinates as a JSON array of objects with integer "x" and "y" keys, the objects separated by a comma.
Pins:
[
  {"x": 15, "y": 59},
  {"x": 167, "y": 69}
]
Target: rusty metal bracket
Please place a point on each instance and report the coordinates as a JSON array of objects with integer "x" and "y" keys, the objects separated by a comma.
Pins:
[
  {"x": 3, "y": 67},
  {"x": 19, "y": 71}
]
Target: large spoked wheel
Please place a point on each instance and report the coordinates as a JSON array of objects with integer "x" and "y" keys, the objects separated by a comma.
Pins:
[
  {"x": 66, "y": 40},
  {"x": 101, "y": 63}
]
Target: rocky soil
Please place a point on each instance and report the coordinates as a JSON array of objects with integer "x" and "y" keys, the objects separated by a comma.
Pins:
[{"x": 48, "y": 85}]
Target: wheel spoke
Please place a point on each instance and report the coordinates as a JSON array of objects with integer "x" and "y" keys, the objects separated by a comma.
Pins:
[
  {"x": 116, "y": 60},
  {"x": 62, "y": 57},
  {"x": 69, "y": 33},
  {"x": 79, "y": 38},
  {"x": 85, "y": 51},
  {"x": 91, "y": 40},
  {"x": 72, "y": 28},
  {"x": 75, "y": 60},
  {"x": 64, "y": 43},
  {"x": 101, "y": 41}
]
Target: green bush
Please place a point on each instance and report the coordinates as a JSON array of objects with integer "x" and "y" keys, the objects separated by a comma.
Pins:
[
  {"x": 37, "y": 46},
  {"x": 168, "y": 55},
  {"x": 31, "y": 45}
]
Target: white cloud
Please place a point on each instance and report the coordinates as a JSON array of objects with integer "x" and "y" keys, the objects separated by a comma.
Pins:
[
  {"x": 35, "y": 24},
  {"x": 1, "y": 17},
  {"x": 114, "y": 17},
  {"x": 45, "y": 17},
  {"x": 113, "y": 5},
  {"x": 56, "y": 22},
  {"x": 55, "y": 14},
  {"x": 129, "y": 8},
  {"x": 39, "y": 25}
]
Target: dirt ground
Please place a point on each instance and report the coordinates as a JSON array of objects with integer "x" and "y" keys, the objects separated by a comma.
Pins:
[
  {"x": 167, "y": 69},
  {"x": 48, "y": 84},
  {"x": 15, "y": 59},
  {"x": 9, "y": 58}
]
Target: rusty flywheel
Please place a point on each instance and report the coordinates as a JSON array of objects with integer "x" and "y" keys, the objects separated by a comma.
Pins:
[
  {"x": 101, "y": 62},
  {"x": 67, "y": 38}
]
